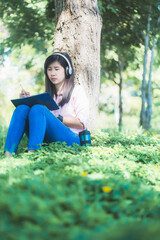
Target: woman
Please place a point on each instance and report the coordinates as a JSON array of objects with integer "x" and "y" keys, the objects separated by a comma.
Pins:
[{"x": 42, "y": 125}]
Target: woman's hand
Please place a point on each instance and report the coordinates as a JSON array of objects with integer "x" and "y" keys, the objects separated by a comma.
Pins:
[{"x": 24, "y": 94}]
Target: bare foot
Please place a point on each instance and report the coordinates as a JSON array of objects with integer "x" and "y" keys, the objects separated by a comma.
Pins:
[
  {"x": 31, "y": 150},
  {"x": 8, "y": 154}
]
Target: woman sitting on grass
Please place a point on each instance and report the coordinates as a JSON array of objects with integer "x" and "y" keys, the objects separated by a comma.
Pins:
[{"x": 42, "y": 125}]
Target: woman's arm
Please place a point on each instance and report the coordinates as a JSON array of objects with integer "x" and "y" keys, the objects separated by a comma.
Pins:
[{"x": 72, "y": 122}]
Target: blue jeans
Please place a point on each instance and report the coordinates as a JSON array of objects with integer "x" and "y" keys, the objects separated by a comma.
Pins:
[{"x": 40, "y": 125}]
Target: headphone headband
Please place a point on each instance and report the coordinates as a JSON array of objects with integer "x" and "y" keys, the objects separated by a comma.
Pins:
[{"x": 69, "y": 65}]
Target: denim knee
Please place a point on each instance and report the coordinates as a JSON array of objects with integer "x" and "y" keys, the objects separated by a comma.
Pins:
[
  {"x": 22, "y": 110},
  {"x": 36, "y": 109}
]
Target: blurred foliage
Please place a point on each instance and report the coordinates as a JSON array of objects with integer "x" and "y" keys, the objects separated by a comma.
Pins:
[
  {"x": 28, "y": 23},
  {"x": 109, "y": 102},
  {"x": 109, "y": 189},
  {"x": 108, "y": 99},
  {"x": 27, "y": 30},
  {"x": 124, "y": 27},
  {"x": 122, "y": 46}
]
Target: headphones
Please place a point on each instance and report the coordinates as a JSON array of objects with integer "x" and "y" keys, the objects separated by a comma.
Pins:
[{"x": 68, "y": 69}]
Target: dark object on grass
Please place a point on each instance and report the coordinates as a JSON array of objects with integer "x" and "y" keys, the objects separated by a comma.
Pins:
[{"x": 85, "y": 138}]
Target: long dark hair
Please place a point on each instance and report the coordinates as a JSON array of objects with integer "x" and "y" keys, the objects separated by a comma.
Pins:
[{"x": 69, "y": 81}]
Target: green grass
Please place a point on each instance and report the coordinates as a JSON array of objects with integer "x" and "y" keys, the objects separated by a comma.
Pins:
[{"x": 108, "y": 191}]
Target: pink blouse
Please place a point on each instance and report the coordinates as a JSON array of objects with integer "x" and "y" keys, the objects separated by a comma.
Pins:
[{"x": 77, "y": 107}]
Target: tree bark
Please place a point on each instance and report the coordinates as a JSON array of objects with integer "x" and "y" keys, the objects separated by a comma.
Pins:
[
  {"x": 120, "y": 64},
  {"x": 78, "y": 32},
  {"x": 143, "y": 96},
  {"x": 149, "y": 90}
]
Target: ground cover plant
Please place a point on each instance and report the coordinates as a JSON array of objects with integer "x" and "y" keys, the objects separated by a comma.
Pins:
[{"x": 110, "y": 190}]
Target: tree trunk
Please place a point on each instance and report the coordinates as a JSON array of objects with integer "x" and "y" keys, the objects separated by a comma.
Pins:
[
  {"x": 149, "y": 90},
  {"x": 120, "y": 105},
  {"x": 143, "y": 96},
  {"x": 78, "y": 32},
  {"x": 120, "y": 63}
]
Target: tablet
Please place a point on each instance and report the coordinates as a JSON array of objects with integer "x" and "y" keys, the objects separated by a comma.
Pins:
[{"x": 42, "y": 98}]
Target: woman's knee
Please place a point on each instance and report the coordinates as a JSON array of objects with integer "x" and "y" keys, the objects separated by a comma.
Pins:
[
  {"x": 22, "y": 110},
  {"x": 37, "y": 109}
]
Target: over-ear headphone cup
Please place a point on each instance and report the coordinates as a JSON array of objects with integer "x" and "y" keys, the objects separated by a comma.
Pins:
[{"x": 67, "y": 72}]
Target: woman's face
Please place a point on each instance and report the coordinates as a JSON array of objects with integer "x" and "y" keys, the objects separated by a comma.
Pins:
[{"x": 56, "y": 73}]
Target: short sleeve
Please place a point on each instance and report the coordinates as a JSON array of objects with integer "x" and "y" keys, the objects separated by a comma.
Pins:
[{"x": 81, "y": 105}]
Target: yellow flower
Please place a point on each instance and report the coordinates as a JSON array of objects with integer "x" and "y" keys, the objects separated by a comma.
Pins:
[
  {"x": 133, "y": 133},
  {"x": 154, "y": 134},
  {"x": 84, "y": 174},
  {"x": 107, "y": 189},
  {"x": 145, "y": 133},
  {"x": 157, "y": 167}
]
